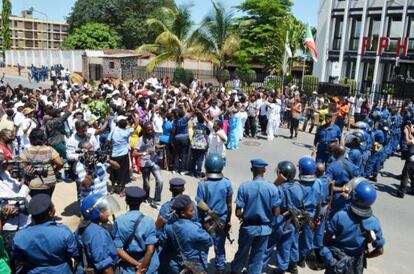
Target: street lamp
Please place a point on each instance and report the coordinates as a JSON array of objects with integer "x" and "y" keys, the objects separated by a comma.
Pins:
[{"x": 47, "y": 24}]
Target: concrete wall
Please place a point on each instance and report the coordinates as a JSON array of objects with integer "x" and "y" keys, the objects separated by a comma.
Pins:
[
  {"x": 108, "y": 72},
  {"x": 71, "y": 59}
]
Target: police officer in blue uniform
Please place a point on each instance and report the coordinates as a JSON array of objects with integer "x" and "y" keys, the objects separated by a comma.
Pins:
[
  {"x": 214, "y": 197},
  {"x": 396, "y": 123},
  {"x": 135, "y": 236},
  {"x": 292, "y": 206},
  {"x": 326, "y": 134},
  {"x": 44, "y": 246},
  {"x": 374, "y": 162},
  {"x": 313, "y": 191},
  {"x": 354, "y": 141},
  {"x": 350, "y": 232},
  {"x": 188, "y": 241},
  {"x": 257, "y": 203},
  {"x": 166, "y": 213},
  {"x": 341, "y": 171},
  {"x": 94, "y": 241}
]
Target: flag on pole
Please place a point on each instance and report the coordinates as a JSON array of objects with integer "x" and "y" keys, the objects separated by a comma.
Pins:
[
  {"x": 287, "y": 54},
  {"x": 287, "y": 48},
  {"x": 310, "y": 43}
]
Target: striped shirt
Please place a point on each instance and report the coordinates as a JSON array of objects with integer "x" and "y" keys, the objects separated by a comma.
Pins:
[
  {"x": 44, "y": 155},
  {"x": 98, "y": 186}
]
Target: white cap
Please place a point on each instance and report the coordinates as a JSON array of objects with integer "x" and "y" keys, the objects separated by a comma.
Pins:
[
  {"x": 121, "y": 117},
  {"x": 115, "y": 92}
]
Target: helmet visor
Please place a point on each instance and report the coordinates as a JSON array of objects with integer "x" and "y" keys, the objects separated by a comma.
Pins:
[{"x": 109, "y": 203}]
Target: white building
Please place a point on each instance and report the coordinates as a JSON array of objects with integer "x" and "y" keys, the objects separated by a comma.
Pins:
[{"x": 370, "y": 41}]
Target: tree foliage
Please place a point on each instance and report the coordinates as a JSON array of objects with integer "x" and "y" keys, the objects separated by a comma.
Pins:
[
  {"x": 215, "y": 36},
  {"x": 6, "y": 12},
  {"x": 183, "y": 76},
  {"x": 92, "y": 36},
  {"x": 262, "y": 32},
  {"x": 126, "y": 17},
  {"x": 172, "y": 42}
]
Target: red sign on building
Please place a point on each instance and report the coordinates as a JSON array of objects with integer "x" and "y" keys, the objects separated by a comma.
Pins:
[{"x": 384, "y": 44}]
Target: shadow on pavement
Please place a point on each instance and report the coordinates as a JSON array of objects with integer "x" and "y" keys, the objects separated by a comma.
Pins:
[
  {"x": 72, "y": 210},
  {"x": 390, "y": 189},
  {"x": 390, "y": 175}
]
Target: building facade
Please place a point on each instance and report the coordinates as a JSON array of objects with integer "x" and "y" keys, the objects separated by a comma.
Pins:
[
  {"x": 29, "y": 33},
  {"x": 369, "y": 41}
]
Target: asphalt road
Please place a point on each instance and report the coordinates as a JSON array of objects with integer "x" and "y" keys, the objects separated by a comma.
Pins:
[{"x": 395, "y": 214}]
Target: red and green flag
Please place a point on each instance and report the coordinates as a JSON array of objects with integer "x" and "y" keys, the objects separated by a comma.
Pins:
[{"x": 310, "y": 43}]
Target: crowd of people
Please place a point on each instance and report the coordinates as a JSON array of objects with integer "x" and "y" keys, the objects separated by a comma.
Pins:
[{"x": 72, "y": 132}]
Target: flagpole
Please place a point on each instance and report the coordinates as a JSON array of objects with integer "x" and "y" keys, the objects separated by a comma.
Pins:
[
  {"x": 303, "y": 71},
  {"x": 284, "y": 64}
]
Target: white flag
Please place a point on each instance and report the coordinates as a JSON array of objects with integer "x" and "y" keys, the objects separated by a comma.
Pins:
[{"x": 288, "y": 50}]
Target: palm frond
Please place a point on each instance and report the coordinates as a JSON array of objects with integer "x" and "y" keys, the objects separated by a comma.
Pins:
[{"x": 158, "y": 60}]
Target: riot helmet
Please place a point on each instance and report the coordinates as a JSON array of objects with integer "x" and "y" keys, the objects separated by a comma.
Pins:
[{"x": 214, "y": 166}]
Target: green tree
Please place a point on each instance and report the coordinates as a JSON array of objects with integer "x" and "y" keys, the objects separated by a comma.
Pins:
[
  {"x": 5, "y": 14},
  {"x": 126, "y": 17},
  {"x": 215, "y": 37},
  {"x": 261, "y": 30},
  {"x": 173, "y": 41},
  {"x": 92, "y": 36}
]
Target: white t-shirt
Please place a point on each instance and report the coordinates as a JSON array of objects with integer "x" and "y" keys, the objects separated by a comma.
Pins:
[
  {"x": 263, "y": 108},
  {"x": 214, "y": 111},
  {"x": 215, "y": 144},
  {"x": 358, "y": 104},
  {"x": 94, "y": 138},
  {"x": 157, "y": 123},
  {"x": 18, "y": 122}
]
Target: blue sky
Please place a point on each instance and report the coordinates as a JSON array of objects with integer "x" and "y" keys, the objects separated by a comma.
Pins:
[{"x": 306, "y": 10}]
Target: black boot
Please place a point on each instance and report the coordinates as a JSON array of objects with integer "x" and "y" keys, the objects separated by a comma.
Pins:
[{"x": 293, "y": 268}]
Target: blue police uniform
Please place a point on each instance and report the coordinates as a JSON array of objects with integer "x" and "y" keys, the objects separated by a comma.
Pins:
[
  {"x": 215, "y": 193},
  {"x": 45, "y": 248},
  {"x": 287, "y": 248},
  {"x": 257, "y": 198},
  {"x": 396, "y": 131},
  {"x": 98, "y": 246},
  {"x": 144, "y": 235},
  {"x": 186, "y": 238},
  {"x": 354, "y": 155},
  {"x": 341, "y": 171},
  {"x": 322, "y": 183},
  {"x": 374, "y": 161},
  {"x": 312, "y": 197},
  {"x": 324, "y": 135},
  {"x": 349, "y": 239}
]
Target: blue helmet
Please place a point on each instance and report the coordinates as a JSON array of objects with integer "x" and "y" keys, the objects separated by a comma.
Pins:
[
  {"x": 91, "y": 206},
  {"x": 214, "y": 166},
  {"x": 307, "y": 169},
  {"x": 376, "y": 115},
  {"x": 361, "y": 125},
  {"x": 287, "y": 169},
  {"x": 363, "y": 197},
  {"x": 369, "y": 122}
]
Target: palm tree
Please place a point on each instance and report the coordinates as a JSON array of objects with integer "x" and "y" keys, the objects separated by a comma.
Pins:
[
  {"x": 173, "y": 42},
  {"x": 214, "y": 37}
]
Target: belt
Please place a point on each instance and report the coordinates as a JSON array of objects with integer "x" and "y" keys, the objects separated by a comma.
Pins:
[{"x": 255, "y": 223}]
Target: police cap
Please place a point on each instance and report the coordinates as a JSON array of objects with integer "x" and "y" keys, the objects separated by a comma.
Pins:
[
  {"x": 181, "y": 202},
  {"x": 259, "y": 163},
  {"x": 39, "y": 204},
  {"x": 135, "y": 193},
  {"x": 177, "y": 183}
]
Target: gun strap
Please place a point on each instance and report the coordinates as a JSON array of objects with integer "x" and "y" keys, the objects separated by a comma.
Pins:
[
  {"x": 131, "y": 236},
  {"x": 350, "y": 176}
]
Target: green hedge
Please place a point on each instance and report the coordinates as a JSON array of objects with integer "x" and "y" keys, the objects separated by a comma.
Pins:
[
  {"x": 310, "y": 83},
  {"x": 182, "y": 75},
  {"x": 351, "y": 83}
]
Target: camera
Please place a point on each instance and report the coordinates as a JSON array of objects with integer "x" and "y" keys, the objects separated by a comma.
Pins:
[
  {"x": 20, "y": 205},
  {"x": 18, "y": 168},
  {"x": 91, "y": 158}
]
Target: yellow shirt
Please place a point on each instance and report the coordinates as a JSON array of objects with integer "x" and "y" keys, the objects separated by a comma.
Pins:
[
  {"x": 322, "y": 116},
  {"x": 6, "y": 123},
  {"x": 133, "y": 140}
]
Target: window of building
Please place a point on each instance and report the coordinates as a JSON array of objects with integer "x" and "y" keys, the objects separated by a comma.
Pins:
[
  {"x": 111, "y": 65},
  {"x": 395, "y": 27},
  {"x": 374, "y": 31},
  {"x": 350, "y": 69},
  {"x": 355, "y": 33},
  {"x": 410, "y": 34},
  {"x": 337, "y": 33}
]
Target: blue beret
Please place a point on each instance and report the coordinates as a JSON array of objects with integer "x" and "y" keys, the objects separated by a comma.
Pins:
[
  {"x": 181, "y": 202},
  {"x": 177, "y": 182},
  {"x": 258, "y": 163},
  {"x": 134, "y": 192},
  {"x": 39, "y": 204}
]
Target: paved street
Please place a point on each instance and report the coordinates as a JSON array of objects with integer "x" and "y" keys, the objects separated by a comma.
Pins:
[{"x": 395, "y": 214}]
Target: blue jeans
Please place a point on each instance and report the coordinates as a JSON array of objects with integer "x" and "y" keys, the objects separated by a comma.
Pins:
[
  {"x": 156, "y": 172},
  {"x": 251, "y": 251},
  {"x": 197, "y": 158},
  {"x": 286, "y": 250}
]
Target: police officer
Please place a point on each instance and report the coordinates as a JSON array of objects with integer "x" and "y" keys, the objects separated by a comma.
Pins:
[
  {"x": 257, "y": 203},
  {"x": 187, "y": 239},
  {"x": 350, "y": 231},
  {"x": 313, "y": 195},
  {"x": 374, "y": 162},
  {"x": 341, "y": 171},
  {"x": 354, "y": 141},
  {"x": 214, "y": 197},
  {"x": 44, "y": 246},
  {"x": 135, "y": 236},
  {"x": 97, "y": 247},
  {"x": 292, "y": 205},
  {"x": 325, "y": 135},
  {"x": 366, "y": 146},
  {"x": 396, "y": 121}
]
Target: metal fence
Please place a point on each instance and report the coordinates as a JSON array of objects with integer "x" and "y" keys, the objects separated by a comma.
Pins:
[{"x": 161, "y": 72}]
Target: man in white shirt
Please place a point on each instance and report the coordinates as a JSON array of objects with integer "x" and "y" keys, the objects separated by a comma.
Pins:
[
  {"x": 12, "y": 194},
  {"x": 217, "y": 139},
  {"x": 263, "y": 108},
  {"x": 358, "y": 104}
]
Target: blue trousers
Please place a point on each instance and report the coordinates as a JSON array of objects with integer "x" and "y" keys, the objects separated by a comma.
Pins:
[
  {"x": 273, "y": 240},
  {"x": 306, "y": 239},
  {"x": 219, "y": 250},
  {"x": 287, "y": 247},
  {"x": 250, "y": 252},
  {"x": 373, "y": 164},
  {"x": 197, "y": 158},
  {"x": 322, "y": 155}
]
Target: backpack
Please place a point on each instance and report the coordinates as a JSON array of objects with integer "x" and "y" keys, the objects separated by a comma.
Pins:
[{"x": 199, "y": 139}]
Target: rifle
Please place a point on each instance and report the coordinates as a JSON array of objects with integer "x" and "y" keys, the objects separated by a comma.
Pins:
[{"x": 216, "y": 220}]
